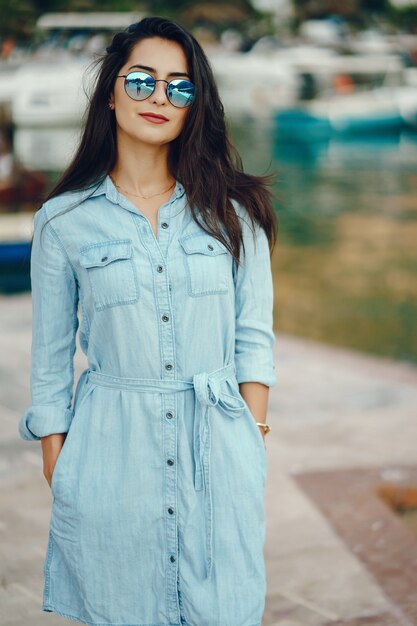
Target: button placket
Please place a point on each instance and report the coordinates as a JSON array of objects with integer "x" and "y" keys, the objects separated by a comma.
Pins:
[
  {"x": 164, "y": 216},
  {"x": 157, "y": 253},
  {"x": 170, "y": 502}
]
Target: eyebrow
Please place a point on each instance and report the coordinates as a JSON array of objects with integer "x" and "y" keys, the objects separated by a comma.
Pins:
[{"x": 152, "y": 69}]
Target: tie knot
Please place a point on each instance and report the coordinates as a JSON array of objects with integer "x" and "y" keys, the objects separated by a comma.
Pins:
[{"x": 207, "y": 389}]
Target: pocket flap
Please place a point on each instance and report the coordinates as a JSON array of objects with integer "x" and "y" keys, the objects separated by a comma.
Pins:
[
  {"x": 203, "y": 244},
  {"x": 103, "y": 253}
]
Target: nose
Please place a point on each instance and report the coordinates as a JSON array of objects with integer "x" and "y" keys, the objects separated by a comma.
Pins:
[{"x": 159, "y": 95}]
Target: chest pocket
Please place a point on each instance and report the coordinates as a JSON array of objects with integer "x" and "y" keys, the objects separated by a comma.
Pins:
[
  {"x": 207, "y": 264},
  {"x": 111, "y": 272}
]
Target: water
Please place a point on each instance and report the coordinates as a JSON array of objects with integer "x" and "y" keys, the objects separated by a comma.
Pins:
[{"x": 345, "y": 264}]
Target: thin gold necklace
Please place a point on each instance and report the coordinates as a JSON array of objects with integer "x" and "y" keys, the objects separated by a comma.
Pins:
[{"x": 138, "y": 195}]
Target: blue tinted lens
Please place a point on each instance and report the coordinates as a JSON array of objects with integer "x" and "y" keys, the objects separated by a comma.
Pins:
[
  {"x": 139, "y": 85},
  {"x": 181, "y": 92}
]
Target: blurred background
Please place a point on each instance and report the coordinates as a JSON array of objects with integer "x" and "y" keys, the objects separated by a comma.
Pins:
[{"x": 324, "y": 92}]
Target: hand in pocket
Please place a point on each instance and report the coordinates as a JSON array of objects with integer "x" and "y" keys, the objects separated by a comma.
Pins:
[{"x": 51, "y": 449}]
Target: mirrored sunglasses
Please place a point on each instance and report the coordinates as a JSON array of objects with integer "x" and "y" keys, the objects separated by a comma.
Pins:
[{"x": 140, "y": 85}]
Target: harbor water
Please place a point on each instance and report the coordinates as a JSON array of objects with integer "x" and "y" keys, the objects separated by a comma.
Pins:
[{"x": 345, "y": 265}]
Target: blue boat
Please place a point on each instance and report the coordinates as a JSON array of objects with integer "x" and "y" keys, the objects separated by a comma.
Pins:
[
  {"x": 299, "y": 124},
  {"x": 14, "y": 266},
  {"x": 377, "y": 111}
]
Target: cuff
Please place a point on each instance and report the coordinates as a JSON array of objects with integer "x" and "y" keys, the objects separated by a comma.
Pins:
[
  {"x": 42, "y": 420},
  {"x": 255, "y": 368}
]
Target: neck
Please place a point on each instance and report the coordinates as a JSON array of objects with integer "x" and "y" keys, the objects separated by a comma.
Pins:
[{"x": 141, "y": 168}]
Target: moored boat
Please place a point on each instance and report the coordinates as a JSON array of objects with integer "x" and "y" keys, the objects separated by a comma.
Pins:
[{"x": 15, "y": 246}]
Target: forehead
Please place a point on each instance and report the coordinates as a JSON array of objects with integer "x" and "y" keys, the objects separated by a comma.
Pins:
[{"x": 162, "y": 54}]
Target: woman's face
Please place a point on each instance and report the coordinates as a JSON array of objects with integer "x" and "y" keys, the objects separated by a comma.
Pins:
[{"x": 168, "y": 61}]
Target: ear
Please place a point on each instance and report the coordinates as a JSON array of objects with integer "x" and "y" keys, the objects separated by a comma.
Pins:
[{"x": 111, "y": 101}]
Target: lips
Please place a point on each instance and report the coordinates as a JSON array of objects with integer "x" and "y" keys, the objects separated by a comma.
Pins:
[{"x": 155, "y": 116}]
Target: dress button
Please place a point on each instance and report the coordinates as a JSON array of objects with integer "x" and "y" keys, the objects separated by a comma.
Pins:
[
  {"x": 164, "y": 225},
  {"x": 165, "y": 318},
  {"x": 210, "y": 247},
  {"x": 172, "y": 558},
  {"x": 104, "y": 258},
  {"x": 169, "y": 414},
  {"x": 160, "y": 268},
  {"x": 170, "y": 510},
  {"x": 168, "y": 366},
  {"x": 170, "y": 462}
]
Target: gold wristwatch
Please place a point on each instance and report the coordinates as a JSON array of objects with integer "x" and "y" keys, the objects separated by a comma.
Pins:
[{"x": 265, "y": 427}]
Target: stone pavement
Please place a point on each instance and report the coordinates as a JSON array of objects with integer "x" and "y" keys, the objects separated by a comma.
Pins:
[{"x": 342, "y": 424}]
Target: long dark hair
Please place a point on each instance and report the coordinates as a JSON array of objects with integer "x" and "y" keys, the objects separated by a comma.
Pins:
[{"x": 202, "y": 157}]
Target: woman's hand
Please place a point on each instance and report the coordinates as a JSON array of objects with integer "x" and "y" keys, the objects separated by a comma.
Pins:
[
  {"x": 51, "y": 448},
  {"x": 256, "y": 397}
]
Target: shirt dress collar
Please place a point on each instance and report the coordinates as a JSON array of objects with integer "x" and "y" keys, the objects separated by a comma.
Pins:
[{"x": 108, "y": 189}]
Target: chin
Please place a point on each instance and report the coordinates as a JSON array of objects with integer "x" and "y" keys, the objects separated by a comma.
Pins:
[
  {"x": 155, "y": 138},
  {"x": 156, "y": 141},
  {"x": 154, "y": 135}
]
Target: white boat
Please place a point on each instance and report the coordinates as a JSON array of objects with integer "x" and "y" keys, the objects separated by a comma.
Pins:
[
  {"x": 250, "y": 84},
  {"x": 50, "y": 89},
  {"x": 49, "y": 94},
  {"x": 355, "y": 95},
  {"x": 260, "y": 84}
]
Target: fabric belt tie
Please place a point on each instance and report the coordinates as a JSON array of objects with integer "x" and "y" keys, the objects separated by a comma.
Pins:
[{"x": 208, "y": 393}]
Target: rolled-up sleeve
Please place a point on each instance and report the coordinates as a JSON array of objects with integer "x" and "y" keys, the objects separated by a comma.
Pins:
[
  {"x": 254, "y": 299},
  {"x": 54, "y": 328}
]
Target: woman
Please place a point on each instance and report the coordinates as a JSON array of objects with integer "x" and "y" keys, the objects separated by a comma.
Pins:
[{"x": 158, "y": 512}]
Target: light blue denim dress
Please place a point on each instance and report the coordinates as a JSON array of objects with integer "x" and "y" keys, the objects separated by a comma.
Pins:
[{"x": 157, "y": 514}]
